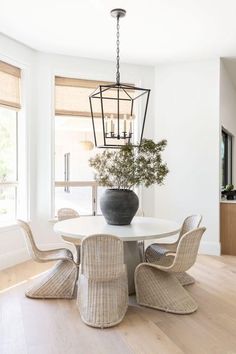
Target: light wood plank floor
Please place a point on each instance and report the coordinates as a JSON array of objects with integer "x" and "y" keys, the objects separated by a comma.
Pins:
[{"x": 54, "y": 326}]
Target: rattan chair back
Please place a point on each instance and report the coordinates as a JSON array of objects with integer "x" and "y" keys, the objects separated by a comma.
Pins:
[
  {"x": 190, "y": 223},
  {"x": 102, "y": 257},
  {"x": 30, "y": 242},
  {"x": 67, "y": 213},
  {"x": 187, "y": 250}
]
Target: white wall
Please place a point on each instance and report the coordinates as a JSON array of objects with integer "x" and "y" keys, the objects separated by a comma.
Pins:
[
  {"x": 49, "y": 66},
  {"x": 228, "y": 110},
  {"x": 12, "y": 246},
  {"x": 38, "y": 94},
  {"x": 184, "y": 108},
  {"x": 187, "y": 115}
]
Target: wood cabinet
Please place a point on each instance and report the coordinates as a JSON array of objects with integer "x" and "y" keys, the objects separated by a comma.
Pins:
[{"x": 228, "y": 228}]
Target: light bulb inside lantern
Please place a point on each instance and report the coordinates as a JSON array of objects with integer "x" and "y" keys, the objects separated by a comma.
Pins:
[{"x": 125, "y": 117}]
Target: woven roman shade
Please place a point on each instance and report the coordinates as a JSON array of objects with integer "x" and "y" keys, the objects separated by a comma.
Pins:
[
  {"x": 10, "y": 86},
  {"x": 72, "y": 98}
]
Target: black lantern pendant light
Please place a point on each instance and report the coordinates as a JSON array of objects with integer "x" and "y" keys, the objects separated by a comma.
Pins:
[{"x": 116, "y": 108}]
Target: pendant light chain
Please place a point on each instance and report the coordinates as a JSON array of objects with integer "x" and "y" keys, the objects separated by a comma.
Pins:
[
  {"x": 117, "y": 119},
  {"x": 118, "y": 50}
]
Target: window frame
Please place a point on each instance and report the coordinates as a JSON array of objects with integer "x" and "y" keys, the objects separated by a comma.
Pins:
[
  {"x": 93, "y": 184},
  {"x": 14, "y": 183},
  {"x": 23, "y": 143},
  {"x": 227, "y": 140},
  {"x": 72, "y": 183}
]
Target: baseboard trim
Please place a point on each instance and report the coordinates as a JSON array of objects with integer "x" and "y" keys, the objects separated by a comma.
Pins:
[
  {"x": 15, "y": 257},
  {"x": 210, "y": 248},
  {"x": 12, "y": 258}
]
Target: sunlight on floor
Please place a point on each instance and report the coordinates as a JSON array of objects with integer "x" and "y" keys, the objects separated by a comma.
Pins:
[{"x": 21, "y": 273}]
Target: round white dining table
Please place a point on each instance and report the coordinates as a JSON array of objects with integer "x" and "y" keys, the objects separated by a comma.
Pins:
[{"x": 141, "y": 229}]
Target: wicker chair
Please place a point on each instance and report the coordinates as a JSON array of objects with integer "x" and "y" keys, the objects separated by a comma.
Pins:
[
  {"x": 65, "y": 214},
  {"x": 60, "y": 281},
  {"x": 156, "y": 251},
  {"x": 103, "y": 286},
  {"x": 156, "y": 284}
]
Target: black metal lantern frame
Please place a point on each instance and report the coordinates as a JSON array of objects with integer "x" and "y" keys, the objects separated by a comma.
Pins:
[{"x": 118, "y": 125}]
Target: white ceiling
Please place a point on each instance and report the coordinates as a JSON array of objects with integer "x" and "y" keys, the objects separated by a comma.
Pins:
[{"x": 153, "y": 30}]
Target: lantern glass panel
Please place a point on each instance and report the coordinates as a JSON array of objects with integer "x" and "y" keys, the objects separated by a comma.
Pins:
[{"x": 122, "y": 113}]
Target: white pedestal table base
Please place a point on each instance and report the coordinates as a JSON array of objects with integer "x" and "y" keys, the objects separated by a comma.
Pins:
[{"x": 131, "y": 259}]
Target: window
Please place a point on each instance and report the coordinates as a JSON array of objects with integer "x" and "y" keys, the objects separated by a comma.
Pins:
[
  {"x": 226, "y": 158},
  {"x": 8, "y": 164},
  {"x": 9, "y": 107},
  {"x": 75, "y": 186}
]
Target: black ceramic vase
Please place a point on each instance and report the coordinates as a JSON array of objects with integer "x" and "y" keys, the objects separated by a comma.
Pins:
[{"x": 119, "y": 206}]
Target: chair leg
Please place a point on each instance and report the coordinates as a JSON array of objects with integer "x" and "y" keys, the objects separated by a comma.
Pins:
[
  {"x": 58, "y": 283},
  {"x": 162, "y": 291},
  {"x": 185, "y": 278}
]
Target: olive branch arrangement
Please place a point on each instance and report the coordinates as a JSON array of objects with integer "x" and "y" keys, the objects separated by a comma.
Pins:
[{"x": 131, "y": 166}]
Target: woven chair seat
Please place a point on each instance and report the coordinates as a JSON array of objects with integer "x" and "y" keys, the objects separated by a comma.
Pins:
[
  {"x": 155, "y": 252},
  {"x": 60, "y": 253},
  {"x": 159, "y": 253},
  {"x": 160, "y": 284},
  {"x": 183, "y": 277},
  {"x": 166, "y": 261}
]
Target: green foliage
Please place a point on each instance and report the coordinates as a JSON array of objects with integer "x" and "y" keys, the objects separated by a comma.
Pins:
[
  {"x": 229, "y": 187},
  {"x": 131, "y": 165}
]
